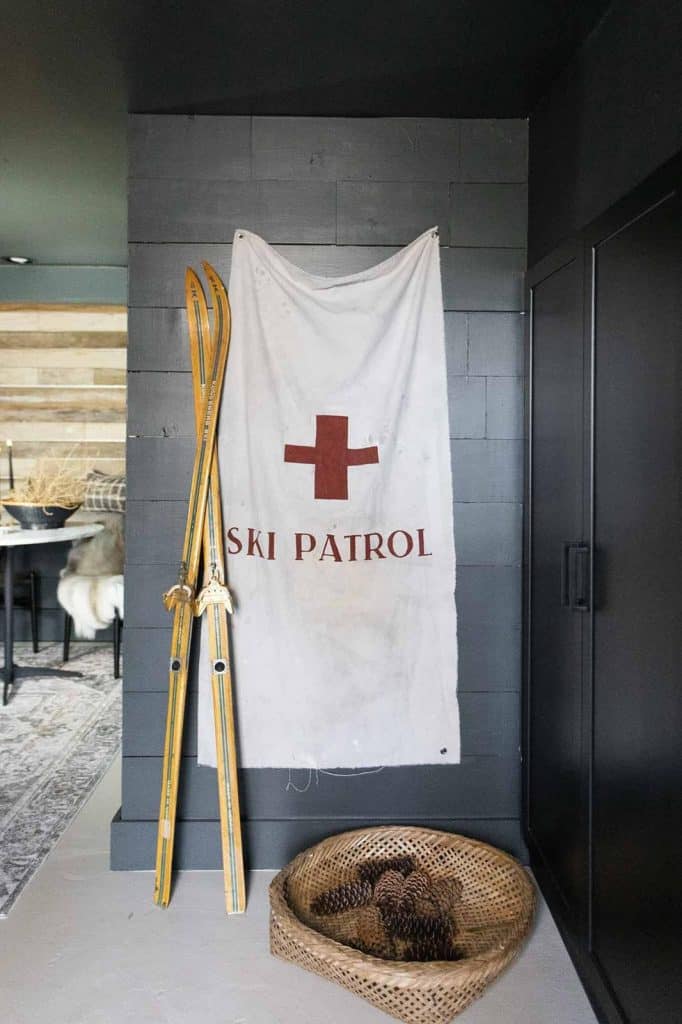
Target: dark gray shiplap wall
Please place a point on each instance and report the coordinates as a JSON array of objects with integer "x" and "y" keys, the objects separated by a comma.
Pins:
[{"x": 335, "y": 196}]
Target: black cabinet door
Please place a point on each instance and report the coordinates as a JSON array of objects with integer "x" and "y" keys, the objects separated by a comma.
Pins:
[
  {"x": 556, "y": 796},
  {"x": 637, "y": 780}
]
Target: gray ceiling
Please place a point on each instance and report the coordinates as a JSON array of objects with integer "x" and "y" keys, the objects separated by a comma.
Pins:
[{"x": 72, "y": 69}]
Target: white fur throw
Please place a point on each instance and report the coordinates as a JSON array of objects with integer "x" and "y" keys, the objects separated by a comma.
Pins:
[
  {"x": 91, "y": 584},
  {"x": 91, "y": 601}
]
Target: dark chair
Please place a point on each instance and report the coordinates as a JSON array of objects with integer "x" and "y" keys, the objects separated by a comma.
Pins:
[
  {"x": 117, "y": 627},
  {"x": 26, "y": 596}
]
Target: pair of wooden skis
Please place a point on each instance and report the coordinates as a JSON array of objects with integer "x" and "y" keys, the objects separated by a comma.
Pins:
[{"x": 203, "y": 532}]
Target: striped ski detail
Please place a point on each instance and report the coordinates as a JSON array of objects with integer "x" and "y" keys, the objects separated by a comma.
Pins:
[
  {"x": 180, "y": 598},
  {"x": 177, "y": 694},
  {"x": 218, "y": 633}
]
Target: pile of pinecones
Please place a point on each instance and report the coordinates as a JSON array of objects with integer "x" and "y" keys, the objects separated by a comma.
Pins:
[{"x": 402, "y": 913}]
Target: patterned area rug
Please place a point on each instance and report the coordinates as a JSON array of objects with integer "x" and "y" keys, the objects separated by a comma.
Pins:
[{"x": 57, "y": 738}]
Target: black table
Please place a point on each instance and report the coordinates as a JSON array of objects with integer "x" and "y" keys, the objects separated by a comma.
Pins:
[{"x": 11, "y": 539}]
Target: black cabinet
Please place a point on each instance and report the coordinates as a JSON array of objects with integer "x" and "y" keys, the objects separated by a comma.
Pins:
[
  {"x": 603, "y": 600},
  {"x": 556, "y": 818}
]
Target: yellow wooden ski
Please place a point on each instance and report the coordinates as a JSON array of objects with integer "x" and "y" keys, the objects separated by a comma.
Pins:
[
  {"x": 215, "y": 599},
  {"x": 180, "y": 598}
]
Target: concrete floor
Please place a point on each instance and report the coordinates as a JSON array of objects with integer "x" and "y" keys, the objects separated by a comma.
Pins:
[{"x": 84, "y": 945}]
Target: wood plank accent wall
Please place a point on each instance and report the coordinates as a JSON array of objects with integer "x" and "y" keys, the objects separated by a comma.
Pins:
[
  {"x": 334, "y": 195},
  {"x": 62, "y": 393}
]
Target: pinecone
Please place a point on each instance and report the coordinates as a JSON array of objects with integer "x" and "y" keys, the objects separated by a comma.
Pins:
[
  {"x": 405, "y": 925},
  {"x": 371, "y": 935},
  {"x": 446, "y": 894},
  {"x": 417, "y": 889},
  {"x": 372, "y": 870},
  {"x": 405, "y": 914},
  {"x": 388, "y": 891},
  {"x": 344, "y": 897}
]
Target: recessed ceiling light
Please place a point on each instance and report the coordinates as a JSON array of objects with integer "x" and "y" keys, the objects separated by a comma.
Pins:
[{"x": 21, "y": 260}]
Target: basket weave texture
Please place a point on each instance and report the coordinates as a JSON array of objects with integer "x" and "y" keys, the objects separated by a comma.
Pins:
[{"x": 492, "y": 915}]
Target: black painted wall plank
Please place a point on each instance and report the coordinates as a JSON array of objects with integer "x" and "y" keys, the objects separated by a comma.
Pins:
[
  {"x": 168, "y": 210},
  {"x": 335, "y": 196},
  {"x": 156, "y": 273},
  {"x": 145, "y": 657},
  {"x": 489, "y": 594},
  {"x": 270, "y": 844},
  {"x": 495, "y": 344},
  {"x": 494, "y": 149},
  {"x": 154, "y": 531},
  {"x": 504, "y": 408},
  {"x": 487, "y": 470},
  {"x": 483, "y": 279},
  {"x": 144, "y": 586},
  {"x": 193, "y": 148},
  {"x": 160, "y": 405},
  {"x": 466, "y": 406},
  {"x": 157, "y": 340},
  {"x": 390, "y": 212},
  {"x": 488, "y": 533},
  {"x": 159, "y": 468},
  {"x": 339, "y": 149},
  {"x": 489, "y": 657},
  {"x": 456, "y": 342},
  {"x": 485, "y": 214}
]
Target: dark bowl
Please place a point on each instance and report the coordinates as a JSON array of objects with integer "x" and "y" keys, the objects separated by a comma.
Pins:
[{"x": 39, "y": 517}]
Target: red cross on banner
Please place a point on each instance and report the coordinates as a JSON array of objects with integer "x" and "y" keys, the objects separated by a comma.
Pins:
[{"x": 331, "y": 456}]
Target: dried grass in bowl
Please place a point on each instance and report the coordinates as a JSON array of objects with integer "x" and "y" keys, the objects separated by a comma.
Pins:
[
  {"x": 52, "y": 483},
  {"x": 491, "y": 909}
]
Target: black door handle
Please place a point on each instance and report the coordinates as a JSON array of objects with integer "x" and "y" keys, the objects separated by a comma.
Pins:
[{"x": 575, "y": 584}]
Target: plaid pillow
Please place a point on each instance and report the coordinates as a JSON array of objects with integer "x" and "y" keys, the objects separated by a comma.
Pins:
[{"x": 104, "y": 492}]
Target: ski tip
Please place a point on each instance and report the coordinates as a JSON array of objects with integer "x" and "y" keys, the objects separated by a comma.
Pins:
[
  {"x": 193, "y": 285},
  {"x": 217, "y": 286},
  {"x": 212, "y": 275}
]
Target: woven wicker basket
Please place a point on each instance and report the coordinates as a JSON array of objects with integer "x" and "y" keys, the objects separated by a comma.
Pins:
[{"x": 493, "y": 917}]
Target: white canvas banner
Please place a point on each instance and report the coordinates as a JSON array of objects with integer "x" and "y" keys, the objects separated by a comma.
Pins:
[{"x": 335, "y": 472}]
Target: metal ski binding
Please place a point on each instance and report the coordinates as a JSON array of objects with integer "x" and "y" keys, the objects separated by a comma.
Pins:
[{"x": 214, "y": 592}]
